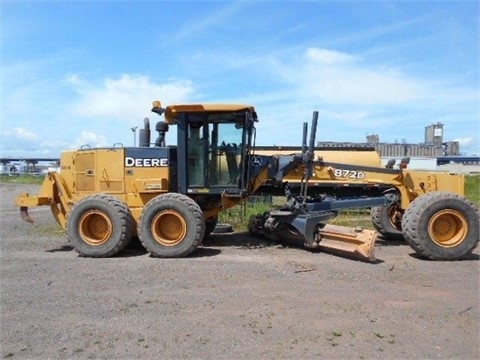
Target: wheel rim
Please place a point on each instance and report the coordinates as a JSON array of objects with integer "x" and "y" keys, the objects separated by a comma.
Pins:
[
  {"x": 95, "y": 228},
  {"x": 169, "y": 228},
  {"x": 395, "y": 218},
  {"x": 447, "y": 228}
]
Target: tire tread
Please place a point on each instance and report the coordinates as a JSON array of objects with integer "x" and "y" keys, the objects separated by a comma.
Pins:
[
  {"x": 125, "y": 219},
  {"x": 193, "y": 207},
  {"x": 412, "y": 231}
]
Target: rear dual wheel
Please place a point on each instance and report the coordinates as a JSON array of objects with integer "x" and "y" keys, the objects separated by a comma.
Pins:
[
  {"x": 387, "y": 221},
  {"x": 99, "y": 226},
  {"x": 210, "y": 225},
  {"x": 171, "y": 225},
  {"x": 442, "y": 226}
]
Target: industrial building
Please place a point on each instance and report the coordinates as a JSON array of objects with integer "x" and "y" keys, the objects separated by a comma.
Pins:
[
  {"x": 433, "y": 154},
  {"x": 433, "y": 145}
]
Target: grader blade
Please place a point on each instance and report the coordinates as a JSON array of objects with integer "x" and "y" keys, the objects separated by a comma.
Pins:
[{"x": 345, "y": 241}]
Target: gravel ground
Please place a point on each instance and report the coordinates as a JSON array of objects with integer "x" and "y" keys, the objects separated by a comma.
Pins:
[{"x": 237, "y": 297}]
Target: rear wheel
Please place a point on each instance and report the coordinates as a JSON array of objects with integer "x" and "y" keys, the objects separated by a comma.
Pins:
[
  {"x": 99, "y": 226},
  {"x": 223, "y": 229},
  {"x": 210, "y": 225},
  {"x": 171, "y": 225},
  {"x": 387, "y": 220},
  {"x": 442, "y": 226}
]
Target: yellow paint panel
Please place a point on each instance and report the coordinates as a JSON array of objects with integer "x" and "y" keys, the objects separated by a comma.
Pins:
[{"x": 151, "y": 185}]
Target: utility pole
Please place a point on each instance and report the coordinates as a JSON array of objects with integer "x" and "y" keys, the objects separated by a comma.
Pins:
[{"x": 134, "y": 130}]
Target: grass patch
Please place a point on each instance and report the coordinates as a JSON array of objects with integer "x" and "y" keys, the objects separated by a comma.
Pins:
[
  {"x": 354, "y": 218},
  {"x": 472, "y": 188},
  {"x": 239, "y": 215},
  {"x": 22, "y": 179}
]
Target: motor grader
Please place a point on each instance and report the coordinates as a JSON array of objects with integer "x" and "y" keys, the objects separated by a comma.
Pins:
[{"x": 170, "y": 195}]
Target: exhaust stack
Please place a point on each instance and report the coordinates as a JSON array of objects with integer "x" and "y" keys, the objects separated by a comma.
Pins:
[{"x": 144, "y": 134}]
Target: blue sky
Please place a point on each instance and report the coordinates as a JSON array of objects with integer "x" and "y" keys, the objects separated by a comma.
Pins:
[{"x": 85, "y": 72}]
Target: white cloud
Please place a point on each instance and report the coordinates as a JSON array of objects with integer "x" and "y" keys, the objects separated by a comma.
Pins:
[
  {"x": 91, "y": 139},
  {"x": 21, "y": 134},
  {"x": 54, "y": 146},
  {"x": 19, "y": 142},
  {"x": 330, "y": 57},
  {"x": 336, "y": 77},
  {"x": 469, "y": 145},
  {"x": 465, "y": 141},
  {"x": 124, "y": 98}
]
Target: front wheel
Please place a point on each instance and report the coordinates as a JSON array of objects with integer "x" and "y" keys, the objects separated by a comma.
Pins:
[
  {"x": 171, "y": 225},
  {"x": 442, "y": 226}
]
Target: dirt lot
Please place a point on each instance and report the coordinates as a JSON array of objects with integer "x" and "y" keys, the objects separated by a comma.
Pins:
[{"x": 237, "y": 297}]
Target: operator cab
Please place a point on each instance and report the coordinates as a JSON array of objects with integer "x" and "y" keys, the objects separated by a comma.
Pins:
[{"x": 213, "y": 142}]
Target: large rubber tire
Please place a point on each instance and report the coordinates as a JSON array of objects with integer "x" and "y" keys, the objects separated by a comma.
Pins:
[
  {"x": 384, "y": 222},
  {"x": 210, "y": 225},
  {"x": 442, "y": 226},
  {"x": 223, "y": 229},
  {"x": 171, "y": 225},
  {"x": 99, "y": 226}
]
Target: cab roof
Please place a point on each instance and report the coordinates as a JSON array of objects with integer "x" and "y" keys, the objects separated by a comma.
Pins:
[{"x": 172, "y": 110}]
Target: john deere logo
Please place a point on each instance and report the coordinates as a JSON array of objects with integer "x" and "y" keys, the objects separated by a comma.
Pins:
[{"x": 145, "y": 162}]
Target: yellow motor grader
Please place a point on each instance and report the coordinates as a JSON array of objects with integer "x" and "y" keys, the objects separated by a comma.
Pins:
[{"x": 170, "y": 195}]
